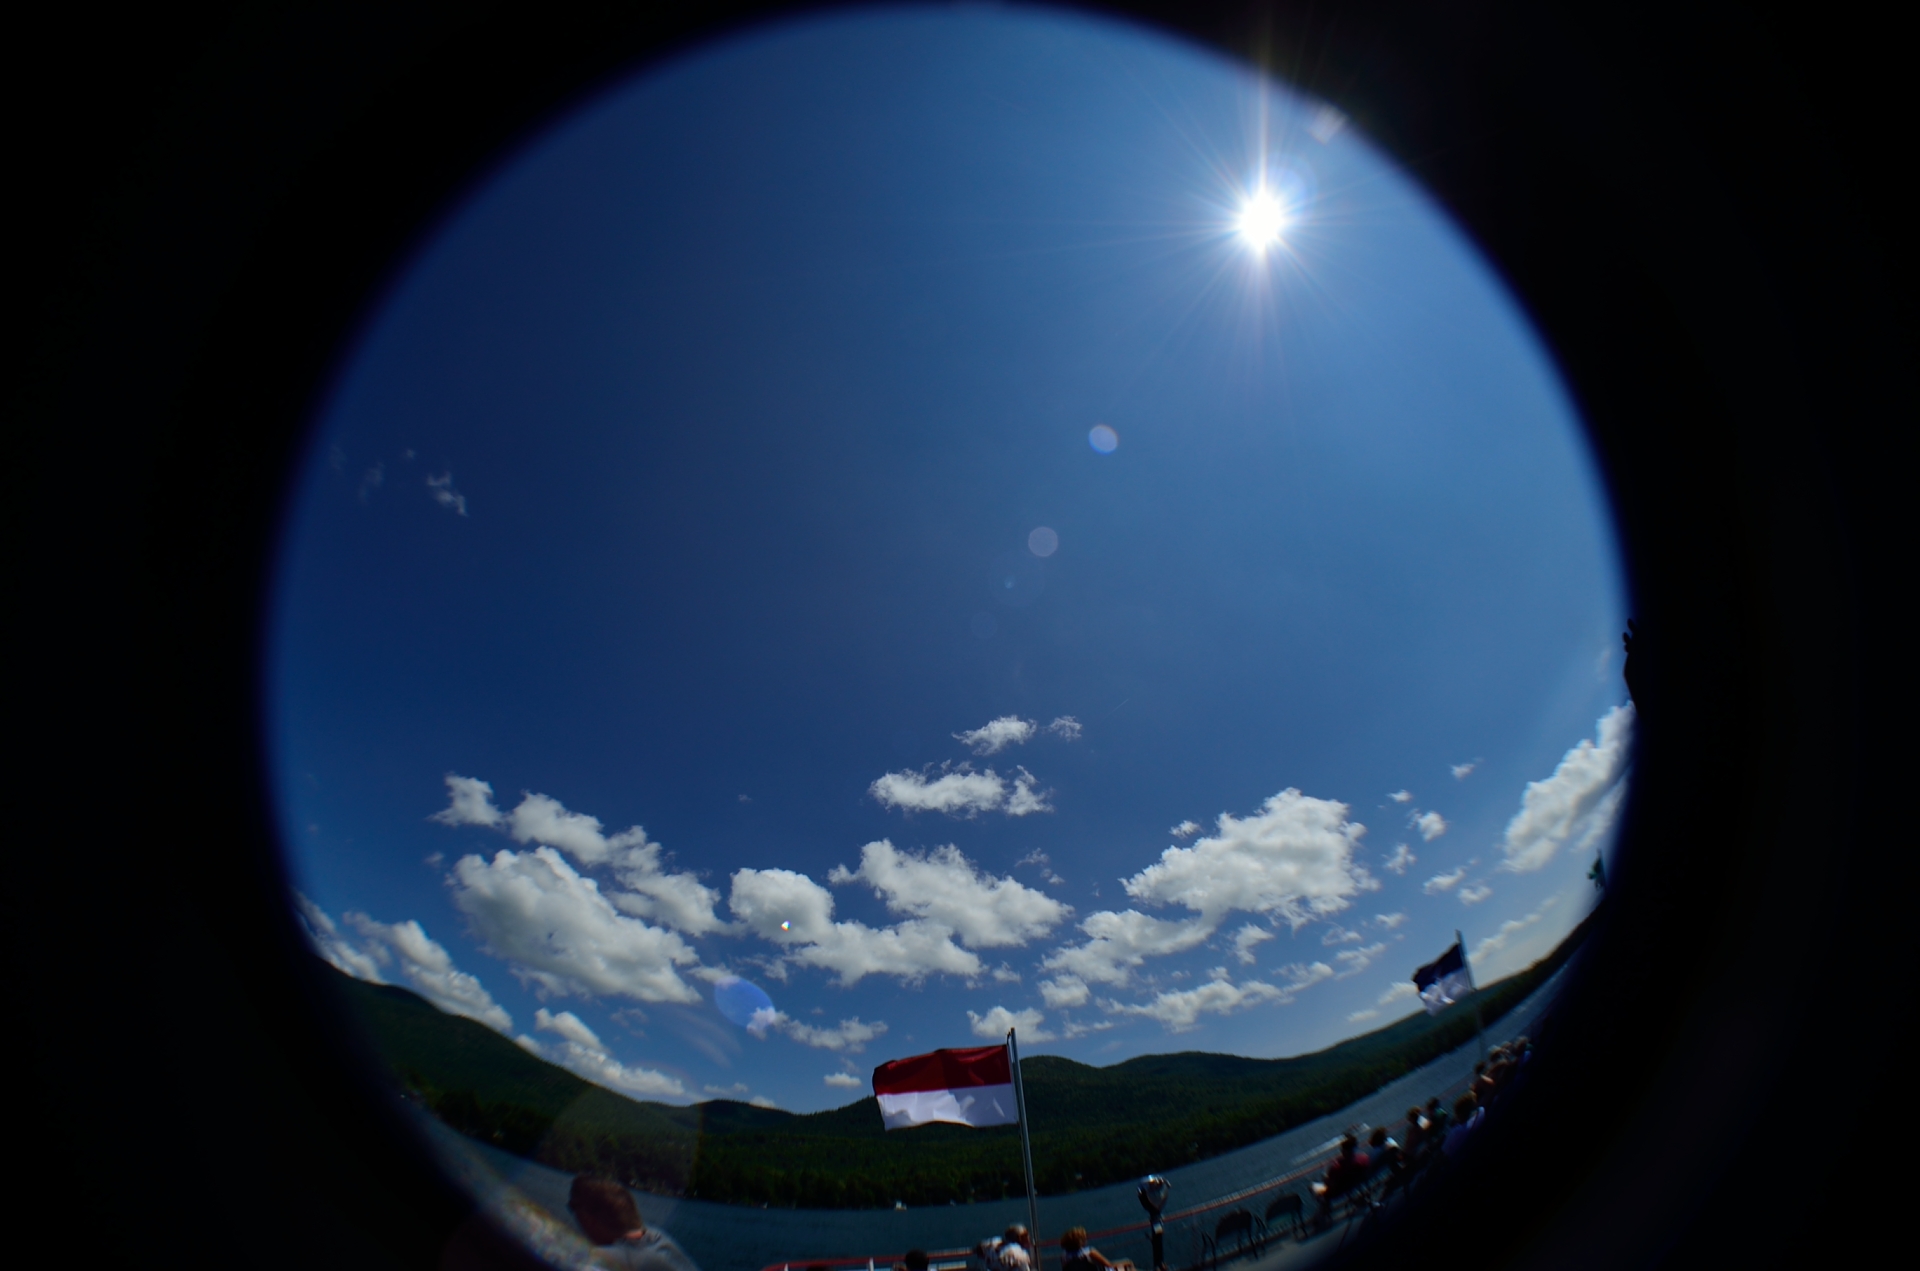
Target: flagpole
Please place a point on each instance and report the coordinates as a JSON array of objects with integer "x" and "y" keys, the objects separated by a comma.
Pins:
[
  {"x": 1026, "y": 1145},
  {"x": 1474, "y": 989}
]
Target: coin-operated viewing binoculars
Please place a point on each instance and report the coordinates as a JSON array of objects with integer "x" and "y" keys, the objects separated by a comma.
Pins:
[{"x": 1153, "y": 1199}]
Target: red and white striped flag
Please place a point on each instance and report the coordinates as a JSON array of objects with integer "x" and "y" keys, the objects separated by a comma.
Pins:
[{"x": 968, "y": 1087}]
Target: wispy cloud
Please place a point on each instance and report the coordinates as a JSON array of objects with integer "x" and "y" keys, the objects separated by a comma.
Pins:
[
  {"x": 1461, "y": 771},
  {"x": 582, "y": 1051},
  {"x": 843, "y": 1081},
  {"x": 405, "y": 948},
  {"x": 1246, "y": 938},
  {"x": 1402, "y": 858},
  {"x": 1475, "y": 894},
  {"x": 1185, "y": 830},
  {"x": 996, "y": 735},
  {"x": 1578, "y": 803},
  {"x": 1445, "y": 882},
  {"x": 1401, "y": 796},
  {"x": 1066, "y": 728},
  {"x": 441, "y": 487}
]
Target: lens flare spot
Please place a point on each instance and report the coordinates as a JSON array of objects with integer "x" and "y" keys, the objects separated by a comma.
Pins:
[
  {"x": 1043, "y": 541},
  {"x": 1103, "y": 439}
]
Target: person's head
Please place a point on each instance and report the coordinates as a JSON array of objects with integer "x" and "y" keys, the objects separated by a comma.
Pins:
[
  {"x": 1463, "y": 1106},
  {"x": 1479, "y": 1068},
  {"x": 604, "y": 1209},
  {"x": 1433, "y": 1104},
  {"x": 1378, "y": 1139},
  {"x": 1018, "y": 1235},
  {"x": 1349, "y": 1145},
  {"x": 1413, "y": 1116},
  {"x": 1073, "y": 1240},
  {"x": 915, "y": 1260}
]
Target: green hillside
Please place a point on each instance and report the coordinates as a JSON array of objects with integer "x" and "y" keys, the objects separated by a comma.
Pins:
[{"x": 1091, "y": 1126}]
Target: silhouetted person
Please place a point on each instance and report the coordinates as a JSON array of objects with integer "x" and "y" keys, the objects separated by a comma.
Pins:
[
  {"x": 607, "y": 1214},
  {"x": 912, "y": 1260},
  {"x": 1467, "y": 1113}
]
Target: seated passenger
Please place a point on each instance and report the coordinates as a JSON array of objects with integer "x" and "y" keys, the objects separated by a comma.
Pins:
[
  {"x": 1011, "y": 1251},
  {"x": 607, "y": 1214},
  {"x": 1077, "y": 1255},
  {"x": 1467, "y": 1113},
  {"x": 1416, "y": 1134},
  {"x": 912, "y": 1260},
  {"x": 1386, "y": 1153},
  {"x": 1346, "y": 1172}
]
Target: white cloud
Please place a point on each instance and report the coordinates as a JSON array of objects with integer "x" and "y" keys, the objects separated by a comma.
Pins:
[
  {"x": 1293, "y": 859},
  {"x": 1246, "y": 938},
  {"x": 1078, "y": 1028},
  {"x": 996, "y": 735},
  {"x": 581, "y": 1051},
  {"x": 1185, "y": 830},
  {"x": 1401, "y": 990},
  {"x": 1387, "y": 922},
  {"x": 1023, "y": 800},
  {"x": 1498, "y": 940},
  {"x": 1354, "y": 961},
  {"x": 956, "y": 792},
  {"x": 1401, "y": 796},
  {"x": 470, "y": 802},
  {"x": 441, "y": 487},
  {"x": 1444, "y": 882},
  {"x": 556, "y": 929},
  {"x": 996, "y": 1022},
  {"x": 945, "y": 887},
  {"x": 678, "y": 900},
  {"x": 1180, "y": 1011},
  {"x": 1119, "y": 942},
  {"x": 327, "y": 941},
  {"x": 1461, "y": 771},
  {"x": 429, "y": 969},
  {"x": 1064, "y": 991},
  {"x": 765, "y": 899},
  {"x": 733, "y": 1091},
  {"x": 843, "y": 1081},
  {"x": 1304, "y": 975},
  {"x": 1357, "y": 1016},
  {"x": 850, "y": 1035},
  {"x": 1402, "y": 857},
  {"x": 1004, "y": 974},
  {"x": 1065, "y": 727},
  {"x": 761, "y": 1101},
  {"x": 1337, "y": 934},
  {"x": 1430, "y": 824},
  {"x": 1575, "y": 799},
  {"x": 1475, "y": 894}
]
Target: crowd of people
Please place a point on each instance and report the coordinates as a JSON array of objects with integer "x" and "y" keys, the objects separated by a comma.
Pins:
[{"x": 1432, "y": 1133}]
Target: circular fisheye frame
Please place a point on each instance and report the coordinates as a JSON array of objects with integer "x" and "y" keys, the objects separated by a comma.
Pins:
[{"x": 721, "y": 649}]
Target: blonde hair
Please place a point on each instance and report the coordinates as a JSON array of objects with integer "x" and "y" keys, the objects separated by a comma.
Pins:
[{"x": 1074, "y": 1238}]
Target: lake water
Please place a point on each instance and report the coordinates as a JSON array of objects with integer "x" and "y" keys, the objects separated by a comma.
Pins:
[{"x": 737, "y": 1238}]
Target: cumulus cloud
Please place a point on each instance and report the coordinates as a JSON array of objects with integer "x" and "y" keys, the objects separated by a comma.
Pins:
[
  {"x": 1387, "y": 922},
  {"x": 1293, "y": 859},
  {"x": 1354, "y": 961},
  {"x": 327, "y": 941},
  {"x": 581, "y": 1051},
  {"x": 1461, "y": 771},
  {"x": 843, "y": 1081},
  {"x": 677, "y": 900},
  {"x": 1024, "y": 800},
  {"x": 1180, "y": 1011},
  {"x": 958, "y": 791},
  {"x": 996, "y": 735},
  {"x": 1119, "y": 942},
  {"x": 441, "y": 487},
  {"x": 1430, "y": 824},
  {"x": 796, "y": 913},
  {"x": 1064, "y": 991},
  {"x": 1337, "y": 934},
  {"x": 557, "y": 930},
  {"x": 1402, "y": 858},
  {"x": 1475, "y": 894},
  {"x": 850, "y": 1035},
  {"x": 429, "y": 969},
  {"x": 945, "y": 887},
  {"x": 424, "y": 964},
  {"x": 1399, "y": 992},
  {"x": 1581, "y": 798},
  {"x": 997, "y": 1021},
  {"x": 1444, "y": 882},
  {"x": 1401, "y": 796},
  {"x": 1246, "y": 938},
  {"x": 1004, "y": 974},
  {"x": 1065, "y": 727},
  {"x": 1185, "y": 830},
  {"x": 1304, "y": 975}
]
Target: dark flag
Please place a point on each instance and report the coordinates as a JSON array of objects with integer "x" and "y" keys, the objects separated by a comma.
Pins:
[{"x": 1444, "y": 981}]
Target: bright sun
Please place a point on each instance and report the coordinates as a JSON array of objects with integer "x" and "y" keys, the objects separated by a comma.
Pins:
[{"x": 1261, "y": 220}]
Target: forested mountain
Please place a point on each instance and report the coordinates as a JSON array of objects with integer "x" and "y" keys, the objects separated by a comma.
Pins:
[{"x": 1091, "y": 1126}]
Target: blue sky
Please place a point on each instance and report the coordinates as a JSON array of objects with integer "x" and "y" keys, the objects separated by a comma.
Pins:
[{"x": 705, "y": 534}]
